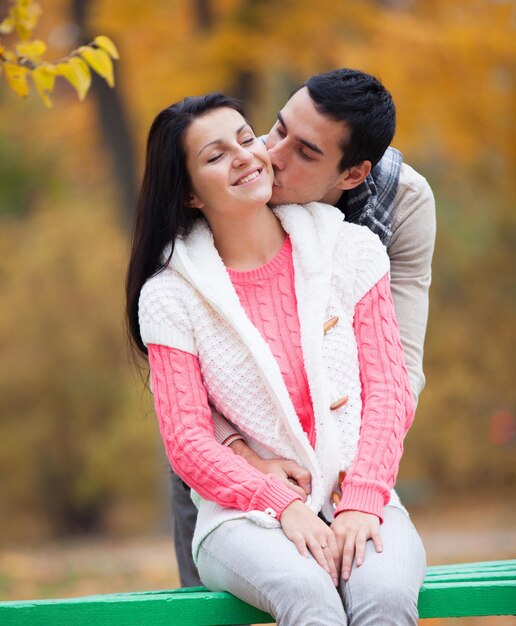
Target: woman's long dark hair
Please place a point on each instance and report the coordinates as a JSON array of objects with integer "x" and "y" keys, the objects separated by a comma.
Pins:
[{"x": 163, "y": 212}]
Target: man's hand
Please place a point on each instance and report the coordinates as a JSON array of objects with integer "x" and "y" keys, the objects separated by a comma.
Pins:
[
  {"x": 292, "y": 474},
  {"x": 352, "y": 529},
  {"x": 309, "y": 533}
]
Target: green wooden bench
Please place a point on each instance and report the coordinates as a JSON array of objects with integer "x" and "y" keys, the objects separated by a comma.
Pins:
[{"x": 449, "y": 591}]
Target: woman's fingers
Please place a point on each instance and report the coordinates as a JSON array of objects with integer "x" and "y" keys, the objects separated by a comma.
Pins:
[
  {"x": 347, "y": 556},
  {"x": 322, "y": 553},
  {"x": 309, "y": 532},
  {"x": 333, "y": 548},
  {"x": 360, "y": 544},
  {"x": 318, "y": 553},
  {"x": 320, "y": 550},
  {"x": 377, "y": 540},
  {"x": 352, "y": 530},
  {"x": 355, "y": 547},
  {"x": 300, "y": 543}
]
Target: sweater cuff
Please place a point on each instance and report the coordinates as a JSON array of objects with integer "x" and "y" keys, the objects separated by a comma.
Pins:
[
  {"x": 221, "y": 427},
  {"x": 273, "y": 498},
  {"x": 365, "y": 498}
]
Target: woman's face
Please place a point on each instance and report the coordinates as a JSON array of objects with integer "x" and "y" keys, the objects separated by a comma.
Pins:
[{"x": 229, "y": 168}]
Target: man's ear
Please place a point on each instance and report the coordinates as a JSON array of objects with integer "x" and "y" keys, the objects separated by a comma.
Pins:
[{"x": 354, "y": 176}]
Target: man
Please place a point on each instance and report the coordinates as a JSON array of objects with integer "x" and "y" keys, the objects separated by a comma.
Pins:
[{"x": 330, "y": 144}]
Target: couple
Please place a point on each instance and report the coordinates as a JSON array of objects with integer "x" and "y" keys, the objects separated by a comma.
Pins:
[{"x": 282, "y": 321}]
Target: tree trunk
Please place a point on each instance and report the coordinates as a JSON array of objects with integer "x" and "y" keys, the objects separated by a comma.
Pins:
[
  {"x": 114, "y": 125},
  {"x": 203, "y": 15}
]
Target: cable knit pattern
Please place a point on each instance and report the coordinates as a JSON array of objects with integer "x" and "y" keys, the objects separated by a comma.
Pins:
[
  {"x": 387, "y": 404},
  {"x": 268, "y": 296},
  {"x": 184, "y": 418},
  {"x": 193, "y": 303}
]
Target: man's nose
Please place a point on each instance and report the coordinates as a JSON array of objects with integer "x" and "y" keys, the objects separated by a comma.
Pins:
[{"x": 276, "y": 155}]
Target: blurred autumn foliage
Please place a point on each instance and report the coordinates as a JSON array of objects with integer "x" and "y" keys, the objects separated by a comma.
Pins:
[
  {"x": 78, "y": 444},
  {"x": 23, "y": 59}
]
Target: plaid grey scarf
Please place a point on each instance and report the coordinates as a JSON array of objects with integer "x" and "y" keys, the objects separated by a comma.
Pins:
[{"x": 371, "y": 203}]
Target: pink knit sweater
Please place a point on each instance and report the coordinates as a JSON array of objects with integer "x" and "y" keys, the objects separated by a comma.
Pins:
[{"x": 267, "y": 295}]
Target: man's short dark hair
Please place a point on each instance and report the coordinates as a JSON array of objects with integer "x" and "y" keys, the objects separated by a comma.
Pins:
[{"x": 361, "y": 102}]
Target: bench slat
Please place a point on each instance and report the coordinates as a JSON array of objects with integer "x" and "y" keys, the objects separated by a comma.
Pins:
[
  {"x": 166, "y": 609},
  {"x": 470, "y": 589},
  {"x": 483, "y": 566},
  {"x": 473, "y": 576},
  {"x": 467, "y": 599}
]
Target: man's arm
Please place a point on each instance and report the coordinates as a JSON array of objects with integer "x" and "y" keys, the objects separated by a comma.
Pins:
[
  {"x": 410, "y": 251},
  {"x": 292, "y": 474},
  {"x": 225, "y": 432}
]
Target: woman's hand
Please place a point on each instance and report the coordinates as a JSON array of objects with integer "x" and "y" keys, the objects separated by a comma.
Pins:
[
  {"x": 292, "y": 474},
  {"x": 309, "y": 533},
  {"x": 352, "y": 529}
]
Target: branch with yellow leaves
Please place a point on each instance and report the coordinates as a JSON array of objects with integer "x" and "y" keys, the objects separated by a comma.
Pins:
[{"x": 23, "y": 60}]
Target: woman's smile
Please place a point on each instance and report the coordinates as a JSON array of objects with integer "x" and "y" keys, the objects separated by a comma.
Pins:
[{"x": 248, "y": 177}]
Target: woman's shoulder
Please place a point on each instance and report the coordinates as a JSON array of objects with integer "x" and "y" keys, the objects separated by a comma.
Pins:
[
  {"x": 357, "y": 236},
  {"x": 359, "y": 255},
  {"x": 163, "y": 288},
  {"x": 164, "y": 311}
]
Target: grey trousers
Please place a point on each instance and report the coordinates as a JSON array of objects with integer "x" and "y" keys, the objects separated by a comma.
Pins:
[
  {"x": 184, "y": 516},
  {"x": 262, "y": 567}
]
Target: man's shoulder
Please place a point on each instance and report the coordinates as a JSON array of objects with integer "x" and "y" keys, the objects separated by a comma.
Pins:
[
  {"x": 413, "y": 196},
  {"x": 411, "y": 181},
  {"x": 413, "y": 212}
]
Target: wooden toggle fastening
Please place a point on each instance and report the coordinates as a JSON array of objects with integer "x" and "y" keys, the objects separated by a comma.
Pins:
[
  {"x": 330, "y": 323},
  {"x": 337, "y": 495},
  {"x": 338, "y": 403}
]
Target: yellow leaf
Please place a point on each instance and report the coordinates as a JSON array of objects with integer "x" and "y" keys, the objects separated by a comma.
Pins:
[
  {"x": 25, "y": 14},
  {"x": 9, "y": 56},
  {"x": 100, "y": 61},
  {"x": 33, "y": 50},
  {"x": 16, "y": 77},
  {"x": 7, "y": 26},
  {"x": 77, "y": 73},
  {"x": 44, "y": 79},
  {"x": 107, "y": 45}
]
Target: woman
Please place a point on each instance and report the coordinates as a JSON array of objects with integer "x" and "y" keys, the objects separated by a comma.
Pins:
[{"x": 283, "y": 321}]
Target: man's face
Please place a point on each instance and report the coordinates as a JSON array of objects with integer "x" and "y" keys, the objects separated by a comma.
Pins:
[{"x": 304, "y": 148}]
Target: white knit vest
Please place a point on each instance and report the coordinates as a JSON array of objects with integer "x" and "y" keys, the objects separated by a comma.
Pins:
[{"x": 192, "y": 306}]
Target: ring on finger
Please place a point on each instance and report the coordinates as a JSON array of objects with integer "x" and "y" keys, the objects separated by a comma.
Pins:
[{"x": 323, "y": 545}]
